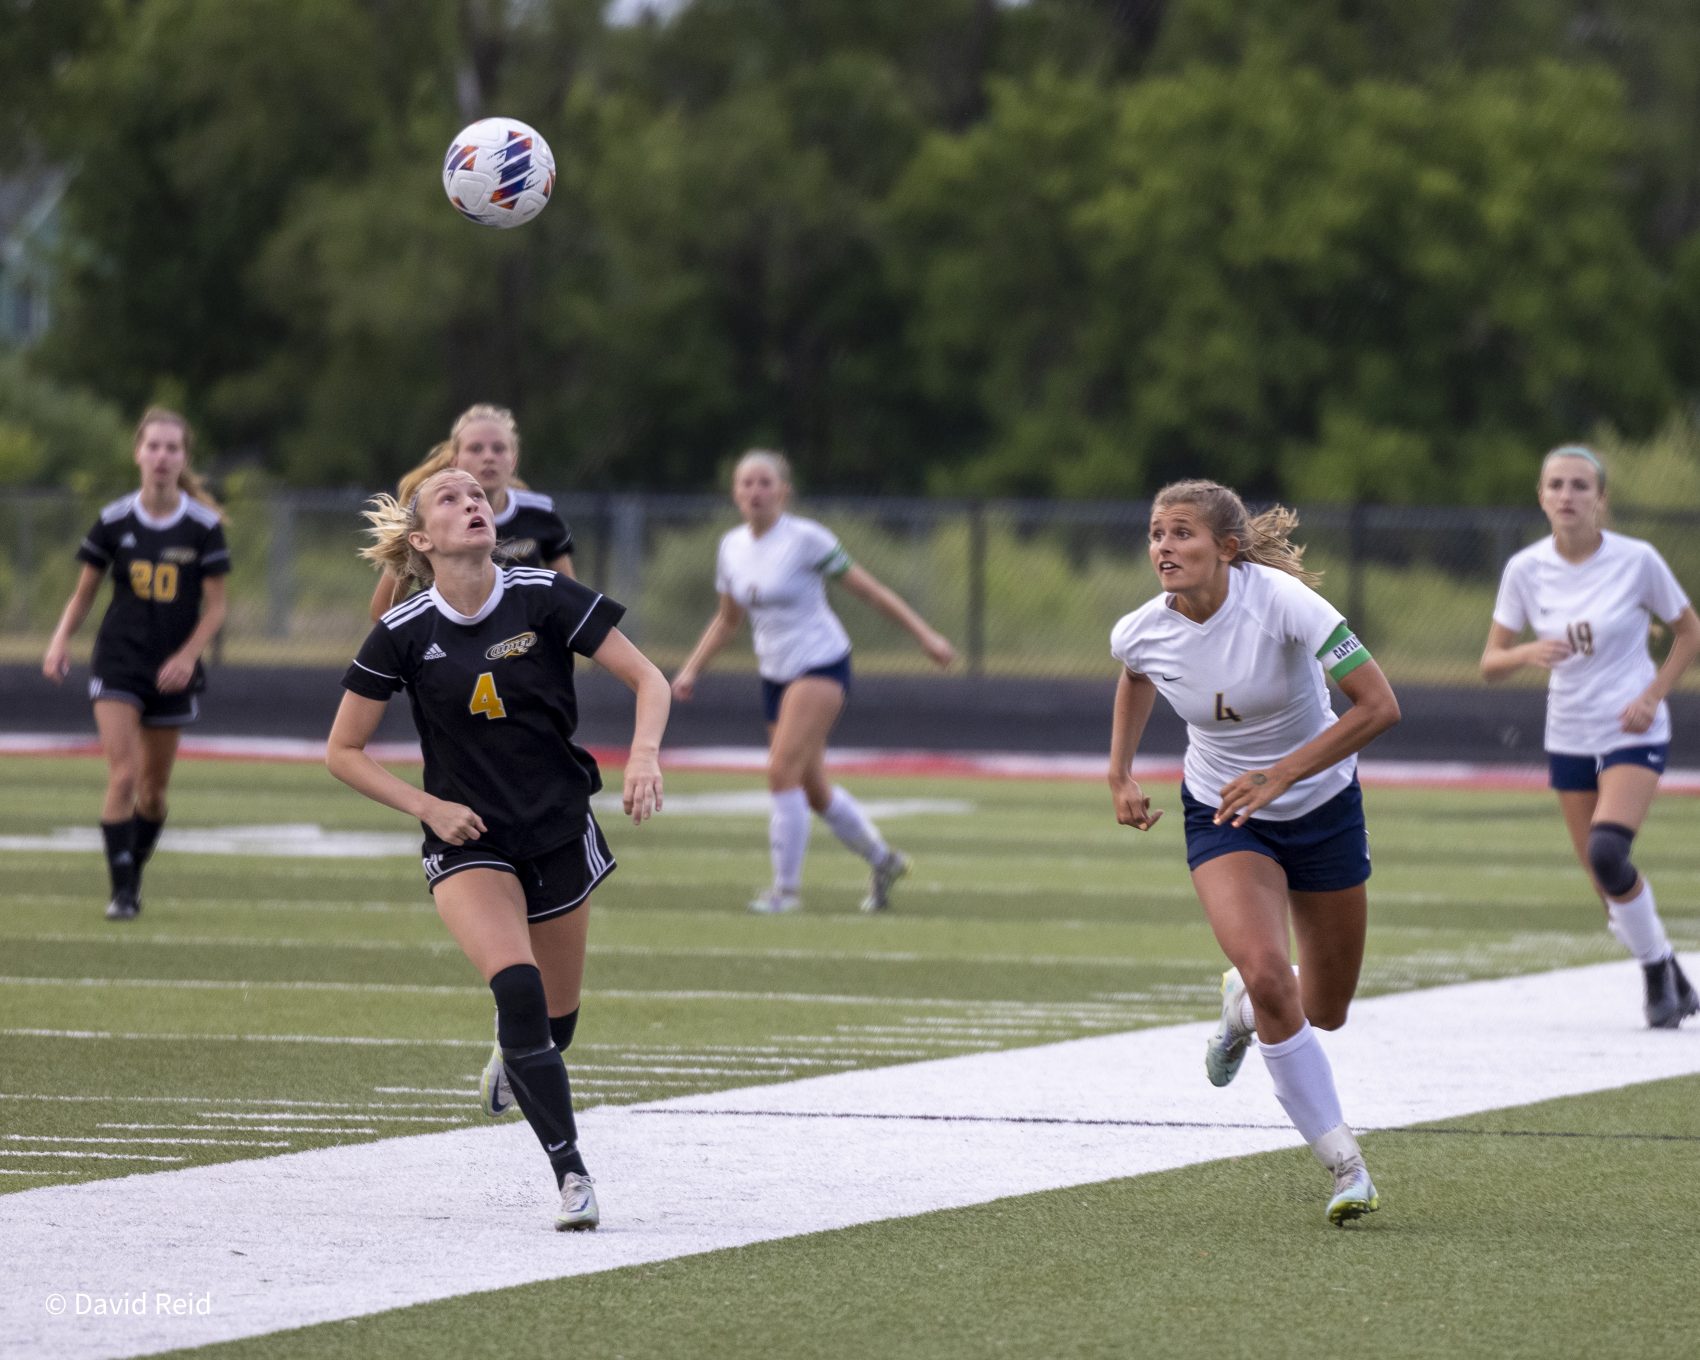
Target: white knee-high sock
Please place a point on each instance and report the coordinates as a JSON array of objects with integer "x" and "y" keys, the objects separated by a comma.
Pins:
[
  {"x": 1304, "y": 1083},
  {"x": 1636, "y": 923},
  {"x": 851, "y": 825},
  {"x": 788, "y": 838}
]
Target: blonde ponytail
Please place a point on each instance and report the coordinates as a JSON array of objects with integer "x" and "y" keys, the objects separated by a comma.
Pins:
[
  {"x": 1265, "y": 539},
  {"x": 392, "y": 521}
]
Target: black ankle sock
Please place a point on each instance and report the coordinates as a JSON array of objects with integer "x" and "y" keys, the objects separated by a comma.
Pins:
[
  {"x": 561, "y": 1029},
  {"x": 120, "y": 838},
  {"x": 147, "y": 836}
]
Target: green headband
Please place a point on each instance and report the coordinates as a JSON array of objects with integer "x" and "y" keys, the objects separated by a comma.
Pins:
[{"x": 1581, "y": 451}]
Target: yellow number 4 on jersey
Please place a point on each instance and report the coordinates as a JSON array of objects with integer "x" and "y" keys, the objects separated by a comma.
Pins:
[{"x": 485, "y": 700}]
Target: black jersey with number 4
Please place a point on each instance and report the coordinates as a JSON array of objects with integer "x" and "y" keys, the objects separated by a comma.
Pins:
[
  {"x": 529, "y": 531},
  {"x": 494, "y": 703},
  {"x": 158, "y": 566}
]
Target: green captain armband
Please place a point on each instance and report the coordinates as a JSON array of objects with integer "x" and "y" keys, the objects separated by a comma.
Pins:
[
  {"x": 1342, "y": 653},
  {"x": 835, "y": 563}
]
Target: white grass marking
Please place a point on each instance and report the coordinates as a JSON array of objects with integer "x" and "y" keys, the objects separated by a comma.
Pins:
[
  {"x": 354, "y": 1039},
  {"x": 133, "y": 1142},
  {"x": 637, "y": 951},
  {"x": 341, "y": 1232},
  {"x": 353, "y": 1105},
  {"x": 39, "y": 1175},
  {"x": 1017, "y": 1008},
  {"x": 307, "y": 1118},
  {"x": 92, "y": 1156},
  {"x": 309, "y": 840},
  {"x": 221, "y": 1128}
]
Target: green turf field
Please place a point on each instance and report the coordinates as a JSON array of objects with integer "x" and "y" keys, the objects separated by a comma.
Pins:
[{"x": 259, "y": 982}]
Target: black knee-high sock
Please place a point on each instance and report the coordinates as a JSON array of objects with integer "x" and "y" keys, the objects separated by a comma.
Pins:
[
  {"x": 120, "y": 838},
  {"x": 534, "y": 1067},
  {"x": 147, "y": 836},
  {"x": 561, "y": 1029}
]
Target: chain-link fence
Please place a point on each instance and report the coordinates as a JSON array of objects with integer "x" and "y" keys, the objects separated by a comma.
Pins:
[{"x": 1025, "y": 588}]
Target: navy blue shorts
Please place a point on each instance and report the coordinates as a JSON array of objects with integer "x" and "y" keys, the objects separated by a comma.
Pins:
[
  {"x": 772, "y": 691},
  {"x": 554, "y": 882},
  {"x": 1325, "y": 850},
  {"x": 1581, "y": 774}
]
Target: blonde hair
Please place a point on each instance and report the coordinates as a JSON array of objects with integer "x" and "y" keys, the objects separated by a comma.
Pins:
[
  {"x": 188, "y": 480},
  {"x": 392, "y": 520},
  {"x": 442, "y": 456},
  {"x": 780, "y": 464},
  {"x": 1264, "y": 539}
]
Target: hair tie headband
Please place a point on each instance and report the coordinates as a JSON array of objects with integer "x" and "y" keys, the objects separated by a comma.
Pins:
[{"x": 1581, "y": 451}]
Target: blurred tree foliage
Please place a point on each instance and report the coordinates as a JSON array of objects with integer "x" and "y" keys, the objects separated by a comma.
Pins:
[{"x": 1376, "y": 248}]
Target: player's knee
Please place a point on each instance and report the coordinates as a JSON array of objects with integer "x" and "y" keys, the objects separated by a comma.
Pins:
[
  {"x": 1270, "y": 982},
  {"x": 1608, "y": 857},
  {"x": 150, "y": 799},
  {"x": 522, "y": 1008},
  {"x": 1328, "y": 1014},
  {"x": 122, "y": 781},
  {"x": 783, "y": 776}
]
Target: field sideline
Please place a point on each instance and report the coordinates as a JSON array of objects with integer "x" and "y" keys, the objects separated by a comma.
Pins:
[{"x": 858, "y": 1121}]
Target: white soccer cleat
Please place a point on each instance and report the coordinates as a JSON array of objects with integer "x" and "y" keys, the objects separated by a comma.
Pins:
[
  {"x": 495, "y": 1096},
  {"x": 578, "y": 1211},
  {"x": 124, "y": 906},
  {"x": 1227, "y": 1046},
  {"x": 773, "y": 902},
  {"x": 1354, "y": 1193},
  {"x": 883, "y": 879}
]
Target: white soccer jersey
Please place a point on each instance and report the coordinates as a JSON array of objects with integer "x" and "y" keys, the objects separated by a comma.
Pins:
[
  {"x": 780, "y": 578},
  {"x": 1247, "y": 681},
  {"x": 1600, "y": 607}
]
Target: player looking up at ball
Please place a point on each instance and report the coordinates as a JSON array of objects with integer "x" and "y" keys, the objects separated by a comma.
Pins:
[
  {"x": 1588, "y": 594},
  {"x": 163, "y": 545},
  {"x": 484, "y": 441},
  {"x": 511, "y": 850},
  {"x": 1239, "y": 644}
]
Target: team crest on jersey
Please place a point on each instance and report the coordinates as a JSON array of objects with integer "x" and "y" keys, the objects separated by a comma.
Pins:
[
  {"x": 516, "y": 549},
  {"x": 128, "y": 541},
  {"x": 514, "y": 646},
  {"x": 178, "y": 555}
]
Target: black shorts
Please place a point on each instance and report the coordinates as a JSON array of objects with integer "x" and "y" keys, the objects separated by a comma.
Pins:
[
  {"x": 554, "y": 882},
  {"x": 158, "y": 710}
]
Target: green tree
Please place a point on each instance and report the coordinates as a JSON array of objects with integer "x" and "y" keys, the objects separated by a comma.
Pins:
[{"x": 1321, "y": 290}]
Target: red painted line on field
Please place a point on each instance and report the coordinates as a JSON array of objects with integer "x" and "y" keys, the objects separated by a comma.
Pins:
[{"x": 1399, "y": 774}]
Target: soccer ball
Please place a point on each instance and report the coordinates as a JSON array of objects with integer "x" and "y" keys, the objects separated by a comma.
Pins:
[{"x": 499, "y": 172}]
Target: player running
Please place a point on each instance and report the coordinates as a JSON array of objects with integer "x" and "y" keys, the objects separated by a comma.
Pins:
[
  {"x": 511, "y": 850},
  {"x": 1587, "y": 594},
  {"x": 163, "y": 546},
  {"x": 1238, "y": 643},
  {"x": 774, "y": 567}
]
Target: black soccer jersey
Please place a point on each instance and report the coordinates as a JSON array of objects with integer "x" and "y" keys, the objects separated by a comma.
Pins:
[
  {"x": 157, "y": 568},
  {"x": 493, "y": 700},
  {"x": 529, "y": 532}
]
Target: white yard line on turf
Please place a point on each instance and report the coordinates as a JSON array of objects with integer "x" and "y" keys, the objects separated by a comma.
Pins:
[{"x": 307, "y": 1237}]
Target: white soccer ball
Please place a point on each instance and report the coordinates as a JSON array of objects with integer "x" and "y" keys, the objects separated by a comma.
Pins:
[{"x": 499, "y": 172}]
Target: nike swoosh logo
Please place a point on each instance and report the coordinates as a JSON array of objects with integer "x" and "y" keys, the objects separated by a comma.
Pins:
[
  {"x": 1171, "y": 677},
  {"x": 556, "y": 1147}
]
